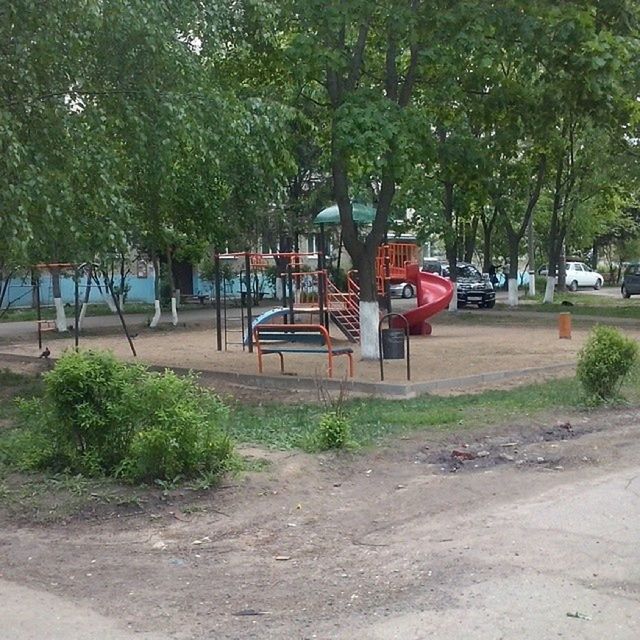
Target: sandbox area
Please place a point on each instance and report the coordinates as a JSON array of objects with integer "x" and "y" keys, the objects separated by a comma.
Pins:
[{"x": 460, "y": 349}]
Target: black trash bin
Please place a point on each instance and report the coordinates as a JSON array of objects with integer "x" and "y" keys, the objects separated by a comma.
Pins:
[{"x": 393, "y": 344}]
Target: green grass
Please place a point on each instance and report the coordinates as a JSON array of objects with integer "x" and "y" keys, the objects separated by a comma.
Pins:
[
  {"x": 372, "y": 420},
  {"x": 582, "y": 304}
]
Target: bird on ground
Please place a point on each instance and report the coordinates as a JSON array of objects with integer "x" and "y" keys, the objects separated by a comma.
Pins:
[{"x": 45, "y": 354}]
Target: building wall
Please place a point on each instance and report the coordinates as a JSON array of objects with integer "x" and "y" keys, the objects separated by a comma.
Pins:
[{"x": 20, "y": 293}]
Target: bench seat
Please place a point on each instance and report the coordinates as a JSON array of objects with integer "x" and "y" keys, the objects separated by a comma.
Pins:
[{"x": 297, "y": 338}]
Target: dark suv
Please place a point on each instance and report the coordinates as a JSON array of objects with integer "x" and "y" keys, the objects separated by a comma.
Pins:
[
  {"x": 631, "y": 280},
  {"x": 473, "y": 286}
]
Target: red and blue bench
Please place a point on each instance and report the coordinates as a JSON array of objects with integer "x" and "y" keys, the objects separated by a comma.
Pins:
[{"x": 298, "y": 339}]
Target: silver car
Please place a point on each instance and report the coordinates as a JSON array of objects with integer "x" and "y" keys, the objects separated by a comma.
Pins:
[{"x": 402, "y": 290}]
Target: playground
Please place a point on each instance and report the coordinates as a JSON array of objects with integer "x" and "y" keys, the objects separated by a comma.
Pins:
[
  {"x": 295, "y": 342},
  {"x": 474, "y": 350}
]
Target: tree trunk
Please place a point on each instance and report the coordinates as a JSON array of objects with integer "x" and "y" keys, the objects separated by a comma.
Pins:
[
  {"x": 470, "y": 235},
  {"x": 514, "y": 246},
  {"x": 172, "y": 287},
  {"x": 363, "y": 254},
  {"x": 552, "y": 274},
  {"x": 123, "y": 282},
  {"x": 87, "y": 294},
  {"x": 531, "y": 260},
  {"x": 487, "y": 233},
  {"x": 450, "y": 241},
  {"x": 156, "y": 291},
  {"x": 61, "y": 320}
]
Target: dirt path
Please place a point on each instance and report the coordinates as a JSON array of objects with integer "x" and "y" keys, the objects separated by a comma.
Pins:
[{"x": 401, "y": 542}]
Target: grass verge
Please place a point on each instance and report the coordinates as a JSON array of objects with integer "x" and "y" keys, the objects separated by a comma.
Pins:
[{"x": 373, "y": 420}]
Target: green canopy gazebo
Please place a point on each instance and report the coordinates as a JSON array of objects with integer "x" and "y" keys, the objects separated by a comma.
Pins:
[{"x": 362, "y": 214}]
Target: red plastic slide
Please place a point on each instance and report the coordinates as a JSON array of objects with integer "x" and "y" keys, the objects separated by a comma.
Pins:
[{"x": 434, "y": 294}]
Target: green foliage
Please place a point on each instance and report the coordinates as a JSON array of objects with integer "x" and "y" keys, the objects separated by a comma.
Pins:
[
  {"x": 604, "y": 361},
  {"x": 286, "y": 427},
  {"x": 333, "y": 431},
  {"x": 100, "y": 416}
]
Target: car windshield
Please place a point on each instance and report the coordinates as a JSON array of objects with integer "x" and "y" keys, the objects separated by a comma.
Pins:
[{"x": 468, "y": 271}]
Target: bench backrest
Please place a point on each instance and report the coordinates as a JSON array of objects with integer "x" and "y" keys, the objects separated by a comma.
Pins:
[{"x": 292, "y": 333}]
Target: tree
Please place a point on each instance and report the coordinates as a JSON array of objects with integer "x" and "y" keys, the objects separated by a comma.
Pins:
[{"x": 365, "y": 57}]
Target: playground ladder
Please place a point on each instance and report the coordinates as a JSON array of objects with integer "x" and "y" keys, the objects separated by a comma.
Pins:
[{"x": 344, "y": 308}]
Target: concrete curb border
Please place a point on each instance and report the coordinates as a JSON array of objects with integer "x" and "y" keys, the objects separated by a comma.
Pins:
[{"x": 391, "y": 390}]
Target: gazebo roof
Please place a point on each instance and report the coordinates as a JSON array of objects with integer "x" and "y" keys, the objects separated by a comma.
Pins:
[{"x": 362, "y": 214}]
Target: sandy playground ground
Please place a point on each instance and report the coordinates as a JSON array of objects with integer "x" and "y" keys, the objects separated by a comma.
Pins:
[{"x": 459, "y": 346}]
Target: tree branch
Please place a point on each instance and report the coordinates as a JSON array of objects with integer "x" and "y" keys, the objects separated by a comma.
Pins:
[{"x": 357, "y": 59}]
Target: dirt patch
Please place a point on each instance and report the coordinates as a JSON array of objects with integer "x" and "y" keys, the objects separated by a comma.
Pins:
[{"x": 312, "y": 544}]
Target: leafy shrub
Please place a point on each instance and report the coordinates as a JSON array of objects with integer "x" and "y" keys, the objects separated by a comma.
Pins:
[
  {"x": 179, "y": 434},
  {"x": 334, "y": 431},
  {"x": 92, "y": 398},
  {"x": 101, "y": 416},
  {"x": 604, "y": 361}
]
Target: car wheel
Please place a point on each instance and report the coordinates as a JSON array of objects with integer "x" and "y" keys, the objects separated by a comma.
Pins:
[
  {"x": 598, "y": 284},
  {"x": 625, "y": 293},
  {"x": 573, "y": 286},
  {"x": 407, "y": 291},
  {"x": 490, "y": 304}
]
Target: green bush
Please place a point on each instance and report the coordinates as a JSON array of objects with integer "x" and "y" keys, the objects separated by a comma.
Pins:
[
  {"x": 179, "y": 433},
  {"x": 604, "y": 361},
  {"x": 100, "y": 416},
  {"x": 92, "y": 397},
  {"x": 333, "y": 432}
]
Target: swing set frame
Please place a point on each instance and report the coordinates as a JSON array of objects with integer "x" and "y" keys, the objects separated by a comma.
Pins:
[{"x": 49, "y": 325}]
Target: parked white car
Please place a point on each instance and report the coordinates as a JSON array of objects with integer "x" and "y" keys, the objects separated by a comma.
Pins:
[
  {"x": 578, "y": 275},
  {"x": 581, "y": 275}
]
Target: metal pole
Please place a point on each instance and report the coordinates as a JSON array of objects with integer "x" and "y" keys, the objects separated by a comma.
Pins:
[
  {"x": 216, "y": 266},
  {"x": 324, "y": 321},
  {"x": 76, "y": 309},
  {"x": 224, "y": 298},
  {"x": 39, "y": 312},
  {"x": 321, "y": 293},
  {"x": 290, "y": 286},
  {"x": 387, "y": 278},
  {"x": 247, "y": 266},
  {"x": 124, "y": 325}
]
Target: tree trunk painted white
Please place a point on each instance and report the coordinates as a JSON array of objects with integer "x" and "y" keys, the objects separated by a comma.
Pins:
[
  {"x": 121, "y": 301},
  {"x": 549, "y": 290},
  {"x": 532, "y": 284},
  {"x": 513, "y": 292},
  {"x": 369, "y": 318},
  {"x": 61, "y": 319},
  {"x": 174, "y": 311},
  {"x": 156, "y": 315},
  {"x": 453, "y": 304},
  {"x": 83, "y": 313},
  {"x": 108, "y": 298}
]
